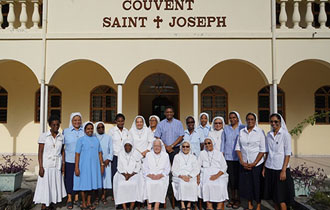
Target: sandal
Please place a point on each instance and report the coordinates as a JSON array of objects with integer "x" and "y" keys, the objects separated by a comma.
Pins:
[
  {"x": 96, "y": 202},
  {"x": 69, "y": 205},
  {"x": 91, "y": 207},
  {"x": 104, "y": 200},
  {"x": 230, "y": 204},
  {"x": 77, "y": 203},
  {"x": 182, "y": 208},
  {"x": 236, "y": 205}
]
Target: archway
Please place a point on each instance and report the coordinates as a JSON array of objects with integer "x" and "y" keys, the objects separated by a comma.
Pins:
[{"x": 155, "y": 93}]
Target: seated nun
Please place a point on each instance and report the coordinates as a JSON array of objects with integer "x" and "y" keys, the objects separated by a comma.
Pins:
[
  {"x": 156, "y": 169},
  {"x": 214, "y": 178},
  {"x": 128, "y": 181},
  {"x": 185, "y": 170}
]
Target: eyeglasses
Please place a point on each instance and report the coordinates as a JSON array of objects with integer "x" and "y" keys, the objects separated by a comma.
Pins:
[
  {"x": 218, "y": 123},
  {"x": 185, "y": 146},
  {"x": 208, "y": 143},
  {"x": 99, "y": 127},
  {"x": 274, "y": 121},
  {"x": 189, "y": 122}
]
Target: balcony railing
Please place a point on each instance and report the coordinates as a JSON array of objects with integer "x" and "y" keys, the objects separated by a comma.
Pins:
[
  {"x": 303, "y": 14},
  {"x": 20, "y": 15}
]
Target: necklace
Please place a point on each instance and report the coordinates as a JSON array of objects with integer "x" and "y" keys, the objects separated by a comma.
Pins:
[{"x": 210, "y": 159}]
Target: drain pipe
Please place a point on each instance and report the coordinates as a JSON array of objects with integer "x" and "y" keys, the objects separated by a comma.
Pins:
[
  {"x": 43, "y": 89},
  {"x": 273, "y": 89}
]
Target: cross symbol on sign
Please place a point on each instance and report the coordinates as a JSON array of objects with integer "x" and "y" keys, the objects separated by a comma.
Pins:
[{"x": 158, "y": 20}]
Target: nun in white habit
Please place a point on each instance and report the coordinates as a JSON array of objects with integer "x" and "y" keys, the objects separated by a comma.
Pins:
[
  {"x": 141, "y": 135},
  {"x": 156, "y": 169},
  {"x": 218, "y": 123},
  {"x": 214, "y": 178},
  {"x": 128, "y": 181},
  {"x": 153, "y": 122},
  {"x": 185, "y": 170}
]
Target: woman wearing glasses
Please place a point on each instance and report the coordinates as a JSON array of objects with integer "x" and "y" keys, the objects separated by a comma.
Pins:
[
  {"x": 185, "y": 170},
  {"x": 214, "y": 177},
  {"x": 278, "y": 181},
  {"x": 250, "y": 149},
  {"x": 218, "y": 123},
  {"x": 195, "y": 137}
]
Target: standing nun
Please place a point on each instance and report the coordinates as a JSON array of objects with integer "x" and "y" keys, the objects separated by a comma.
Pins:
[
  {"x": 278, "y": 181},
  {"x": 228, "y": 142},
  {"x": 107, "y": 154},
  {"x": 195, "y": 137},
  {"x": 153, "y": 122},
  {"x": 185, "y": 170},
  {"x": 204, "y": 125},
  {"x": 89, "y": 166},
  {"x": 71, "y": 136},
  {"x": 141, "y": 136},
  {"x": 50, "y": 186},
  {"x": 118, "y": 134},
  {"x": 218, "y": 123},
  {"x": 214, "y": 177},
  {"x": 250, "y": 149},
  {"x": 156, "y": 169},
  {"x": 128, "y": 181}
]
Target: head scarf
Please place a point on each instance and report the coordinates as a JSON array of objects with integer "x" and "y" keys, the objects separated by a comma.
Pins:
[
  {"x": 161, "y": 143},
  {"x": 254, "y": 114},
  {"x": 207, "y": 116},
  {"x": 221, "y": 118},
  {"x": 238, "y": 116},
  {"x": 155, "y": 116},
  {"x": 212, "y": 140},
  {"x": 185, "y": 141},
  {"x": 128, "y": 141},
  {"x": 87, "y": 123},
  {"x": 134, "y": 128},
  {"x": 283, "y": 124},
  {"x": 72, "y": 116},
  {"x": 95, "y": 128}
]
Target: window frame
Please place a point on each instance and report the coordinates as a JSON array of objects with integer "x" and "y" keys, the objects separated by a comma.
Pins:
[
  {"x": 327, "y": 108},
  {"x": 213, "y": 108},
  {"x": 268, "y": 109},
  {"x": 4, "y": 108},
  {"x": 103, "y": 108},
  {"x": 49, "y": 108}
]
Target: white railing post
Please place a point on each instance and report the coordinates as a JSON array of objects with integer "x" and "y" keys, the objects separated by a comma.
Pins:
[
  {"x": 11, "y": 15},
  {"x": 296, "y": 14},
  {"x": 309, "y": 18},
  {"x": 23, "y": 16},
  {"x": 283, "y": 15},
  {"x": 35, "y": 15},
  {"x": 322, "y": 16}
]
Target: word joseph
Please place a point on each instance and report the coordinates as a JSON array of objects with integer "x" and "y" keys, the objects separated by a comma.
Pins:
[{"x": 158, "y": 5}]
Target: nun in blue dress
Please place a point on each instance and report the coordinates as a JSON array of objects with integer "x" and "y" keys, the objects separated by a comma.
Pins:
[
  {"x": 107, "y": 153},
  {"x": 88, "y": 165}
]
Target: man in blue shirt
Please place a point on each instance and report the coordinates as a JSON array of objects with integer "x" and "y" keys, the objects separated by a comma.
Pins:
[{"x": 171, "y": 132}]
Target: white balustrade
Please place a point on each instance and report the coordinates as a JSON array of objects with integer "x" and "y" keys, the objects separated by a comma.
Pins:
[
  {"x": 322, "y": 15},
  {"x": 283, "y": 15},
  {"x": 25, "y": 20},
  {"x": 309, "y": 17},
  {"x": 303, "y": 14}
]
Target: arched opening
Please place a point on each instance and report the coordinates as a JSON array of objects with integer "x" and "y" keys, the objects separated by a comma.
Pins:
[{"x": 155, "y": 93}]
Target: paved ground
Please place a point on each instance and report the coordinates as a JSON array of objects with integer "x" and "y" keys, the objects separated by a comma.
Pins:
[{"x": 316, "y": 162}]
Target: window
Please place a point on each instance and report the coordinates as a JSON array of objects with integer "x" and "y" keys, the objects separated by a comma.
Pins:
[
  {"x": 322, "y": 103},
  {"x": 264, "y": 103},
  {"x": 54, "y": 103},
  {"x": 3, "y": 105},
  {"x": 215, "y": 102},
  {"x": 103, "y": 104}
]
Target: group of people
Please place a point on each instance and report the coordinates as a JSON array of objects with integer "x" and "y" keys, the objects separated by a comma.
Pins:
[{"x": 203, "y": 162}]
